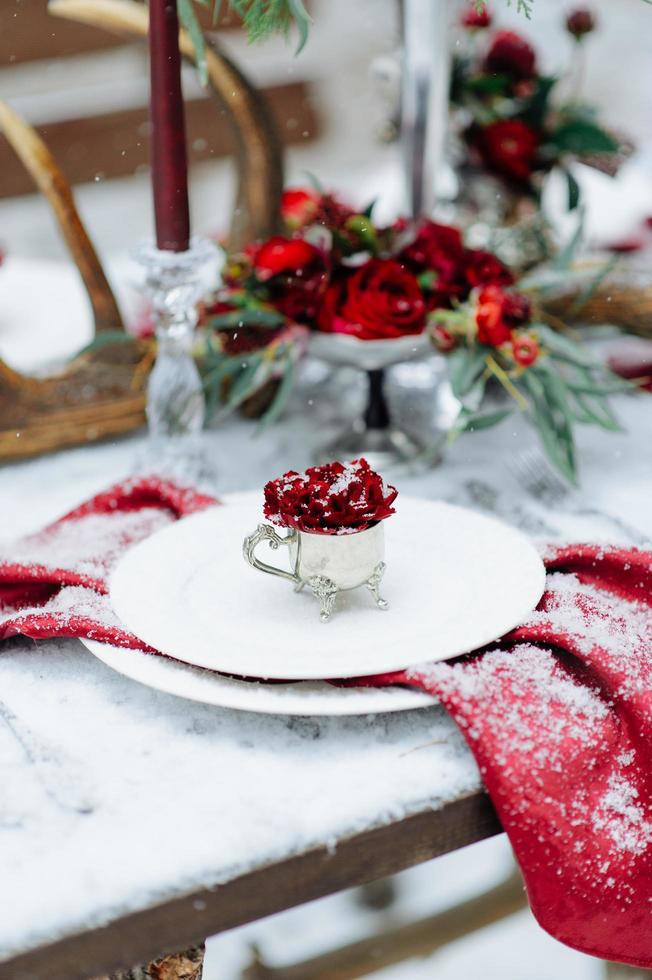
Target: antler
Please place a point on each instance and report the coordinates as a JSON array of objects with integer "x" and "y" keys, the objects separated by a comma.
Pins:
[
  {"x": 259, "y": 148},
  {"x": 40, "y": 163}
]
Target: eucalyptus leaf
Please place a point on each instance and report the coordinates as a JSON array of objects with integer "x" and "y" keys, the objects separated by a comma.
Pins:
[
  {"x": 465, "y": 367},
  {"x": 482, "y": 420},
  {"x": 188, "y": 18},
  {"x": 282, "y": 395},
  {"x": 237, "y": 319}
]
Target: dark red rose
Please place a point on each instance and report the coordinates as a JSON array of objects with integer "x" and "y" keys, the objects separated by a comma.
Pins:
[
  {"x": 438, "y": 249},
  {"x": 379, "y": 300},
  {"x": 525, "y": 349},
  {"x": 485, "y": 269},
  {"x": 280, "y": 255},
  {"x": 330, "y": 499},
  {"x": 508, "y": 147},
  {"x": 474, "y": 17},
  {"x": 498, "y": 313},
  {"x": 431, "y": 243},
  {"x": 510, "y": 54},
  {"x": 580, "y": 23}
]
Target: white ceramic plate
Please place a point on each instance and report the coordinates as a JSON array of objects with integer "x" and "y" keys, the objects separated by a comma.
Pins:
[
  {"x": 455, "y": 581},
  {"x": 299, "y": 698},
  {"x": 343, "y": 350}
]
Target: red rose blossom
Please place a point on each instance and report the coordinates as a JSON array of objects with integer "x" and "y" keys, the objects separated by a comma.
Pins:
[
  {"x": 510, "y": 54},
  {"x": 299, "y": 207},
  {"x": 580, "y": 22},
  {"x": 509, "y": 147},
  {"x": 283, "y": 255},
  {"x": 498, "y": 313},
  {"x": 474, "y": 17},
  {"x": 525, "y": 349},
  {"x": 379, "y": 300},
  {"x": 330, "y": 499}
]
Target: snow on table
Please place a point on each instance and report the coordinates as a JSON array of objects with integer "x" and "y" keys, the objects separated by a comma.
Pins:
[{"x": 116, "y": 797}]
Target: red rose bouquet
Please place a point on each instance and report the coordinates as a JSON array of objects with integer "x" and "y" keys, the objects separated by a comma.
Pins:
[
  {"x": 333, "y": 499},
  {"x": 517, "y": 122}
]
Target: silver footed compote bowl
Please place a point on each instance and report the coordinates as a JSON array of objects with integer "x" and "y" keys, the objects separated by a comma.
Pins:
[{"x": 373, "y": 435}]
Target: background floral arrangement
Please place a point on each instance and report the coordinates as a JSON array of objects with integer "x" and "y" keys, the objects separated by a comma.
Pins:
[
  {"x": 336, "y": 498},
  {"x": 518, "y": 123}
]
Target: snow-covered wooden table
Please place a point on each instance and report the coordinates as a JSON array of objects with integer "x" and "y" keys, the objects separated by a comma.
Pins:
[{"x": 133, "y": 822}]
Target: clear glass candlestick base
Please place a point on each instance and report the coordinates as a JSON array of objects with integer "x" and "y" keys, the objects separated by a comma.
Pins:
[{"x": 173, "y": 283}]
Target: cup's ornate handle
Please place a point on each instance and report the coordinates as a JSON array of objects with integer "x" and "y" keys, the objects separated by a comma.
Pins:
[{"x": 266, "y": 533}]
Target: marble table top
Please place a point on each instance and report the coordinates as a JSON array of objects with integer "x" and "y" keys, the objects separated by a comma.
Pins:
[{"x": 116, "y": 797}]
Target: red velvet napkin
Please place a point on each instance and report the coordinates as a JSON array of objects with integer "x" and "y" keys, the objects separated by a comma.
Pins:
[{"x": 558, "y": 714}]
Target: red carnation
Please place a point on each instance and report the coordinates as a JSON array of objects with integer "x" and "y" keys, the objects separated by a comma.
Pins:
[
  {"x": 283, "y": 255},
  {"x": 498, "y": 313},
  {"x": 431, "y": 243},
  {"x": 510, "y": 54},
  {"x": 379, "y": 300},
  {"x": 509, "y": 147},
  {"x": 580, "y": 22},
  {"x": 475, "y": 18},
  {"x": 330, "y": 499}
]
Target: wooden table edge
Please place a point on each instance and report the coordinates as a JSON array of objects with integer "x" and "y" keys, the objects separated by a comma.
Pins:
[{"x": 182, "y": 921}]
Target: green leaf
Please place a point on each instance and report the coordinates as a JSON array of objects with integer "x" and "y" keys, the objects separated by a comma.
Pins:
[
  {"x": 282, "y": 395},
  {"x": 243, "y": 386},
  {"x": 302, "y": 20},
  {"x": 369, "y": 210},
  {"x": 534, "y": 112},
  {"x": 465, "y": 367},
  {"x": 482, "y": 420},
  {"x": 188, "y": 18},
  {"x": 553, "y": 420},
  {"x": 580, "y": 136},
  {"x": 573, "y": 191},
  {"x": 565, "y": 349},
  {"x": 237, "y": 319},
  {"x": 565, "y": 258},
  {"x": 106, "y": 339}
]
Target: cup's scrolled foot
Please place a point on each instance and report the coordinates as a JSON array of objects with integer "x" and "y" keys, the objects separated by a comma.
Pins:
[
  {"x": 326, "y": 591},
  {"x": 373, "y": 584}
]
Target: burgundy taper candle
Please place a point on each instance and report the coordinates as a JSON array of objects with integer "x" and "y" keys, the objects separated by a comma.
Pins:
[{"x": 168, "y": 144}]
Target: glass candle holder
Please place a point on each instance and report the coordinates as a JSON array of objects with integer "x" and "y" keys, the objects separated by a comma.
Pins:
[{"x": 173, "y": 283}]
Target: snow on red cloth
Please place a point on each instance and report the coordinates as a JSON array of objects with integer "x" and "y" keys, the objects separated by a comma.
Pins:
[{"x": 558, "y": 714}]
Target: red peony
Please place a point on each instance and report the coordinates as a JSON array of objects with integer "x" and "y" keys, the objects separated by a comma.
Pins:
[
  {"x": 330, "y": 499},
  {"x": 508, "y": 147},
  {"x": 474, "y": 17},
  {"x": 498, "y": 313},
  {"x": 280, "y": 255},
  {"x": 580, "y": 23},
  {"x": 525, "y": 349},
  {"x": 299, "y": 207},
  {"x": 379, "y": 300},
  {"x": 485, "y": 269},
  {"x": 510, "y": 54}
]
